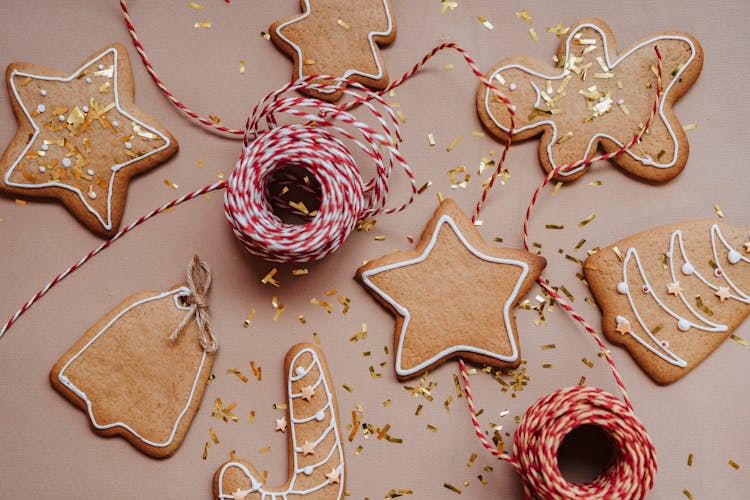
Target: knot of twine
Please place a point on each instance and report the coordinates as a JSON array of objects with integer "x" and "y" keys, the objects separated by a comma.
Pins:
[
  {"x": 632, "y": 468},
  {"x": 317, "y": 145},
  {"x": 198, "y": 281}
]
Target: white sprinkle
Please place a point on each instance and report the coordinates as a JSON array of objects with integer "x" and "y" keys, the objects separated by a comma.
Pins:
[
  {"x": 41, "y": 108},
  {"x": 128, "y": 145},
  {"x": 88, "y": 80},
  {"x": 513, "y": 86},
  {"x": 42, "y": 169},
  {"x": 45, "y": 147},
  {"x": 61, "y": 118},
  {"x": 101, "y": 66},
  {"x": 43, "y": 92},
  {"x": 66, "y": 162},
  {"x": 115, "y": 123},
  {"x": 92, "y": 195},
  {"x": 90, "y": 171},
  {"x": 85, "y": 109},
  {"x": 620, "y": 101}
]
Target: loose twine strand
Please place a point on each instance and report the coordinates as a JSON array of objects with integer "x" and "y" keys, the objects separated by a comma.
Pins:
[
  {"x": 545, "y": 423},
  {"x": 198, "y": 281}
]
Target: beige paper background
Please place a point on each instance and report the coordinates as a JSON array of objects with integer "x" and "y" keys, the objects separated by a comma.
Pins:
[{"x": 47, "y": 448}]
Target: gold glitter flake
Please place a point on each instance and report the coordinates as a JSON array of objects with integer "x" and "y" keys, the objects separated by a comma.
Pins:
[
  {"x": 690, "y": 126},
  {"x": 454, "y": 143},
  {"x": 214, "y": 438},
  {"x": 202, "y": 24},
  {"x": 558, "y": 30},
  {"x": 739, "y": 340},
  {"x": 533, "y": 35},
  {"x": 343, "y": 24},
  {"x": 242, "y": 66},
  {"x": 524, "y": 16},
  {"x": 249, "y": 318},
  {"x": 688, "y": 494},
  {"x": 196, "y": 6},
  {"x": 398, "y": 493},
  {"x": 238, "y": 373},
  {"x": 718, "y": 211},
  {"x": 587, "y": 362},
  {"x": 734, "y": 464},
  {"x": 431, "y": 139},
  {"x": 690, "y": 460},
  {"x": 268, "y": 278},
  {"x": 452, "y": 488}
]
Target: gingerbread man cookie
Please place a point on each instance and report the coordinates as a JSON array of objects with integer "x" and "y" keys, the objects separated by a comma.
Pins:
[
  {"x": 339, "y": 38},
  {"x": 316, "y": 455},
  {"x": 673, "y": 294},
  {"x": 452, "y": 295},
  {"x": 598, "y": 97},
  {"x": 80, "y": 137}
]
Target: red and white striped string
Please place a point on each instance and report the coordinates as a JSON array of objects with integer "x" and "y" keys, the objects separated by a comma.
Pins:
[{"x": 545, "y": 424}]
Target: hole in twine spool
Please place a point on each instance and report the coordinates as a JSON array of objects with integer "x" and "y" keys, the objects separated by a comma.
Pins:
[
  {"x": 274, "y": 157},
  {"x": 537, "y": 441},
  {"x": 585, "y": 453},
  {"x": 294, "y": 193}
]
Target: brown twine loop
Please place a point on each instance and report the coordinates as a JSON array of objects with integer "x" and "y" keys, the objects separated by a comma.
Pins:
[{"x": 198, "y": 280}]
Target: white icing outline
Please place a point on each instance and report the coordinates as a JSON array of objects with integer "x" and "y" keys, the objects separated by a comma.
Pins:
[
  {"x": 403, "y": 311},
  {"x": 255, "y": 484},
  {"x": 107, "y": 225},
  {"x": 566, "y": 71},
  {"x": 669, "y": 357},
  {"x": 78, "y": 392},
  {"x": 349, "y": 72},
  {"x": 714, "y": 231}
]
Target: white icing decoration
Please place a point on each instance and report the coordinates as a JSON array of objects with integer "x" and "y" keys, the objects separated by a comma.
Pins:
[
  {"x": 45, "y": 147},
  {"x": 92, "y": 195},
  {"x": 715, "y": 231},
  {"x": 320, "y": 416},
  {"x": 734, "y": 256},
  {"x": 336, "y": 448},
  {"x": 101, "y": 67},
  {"x": 41, "y": 108},
  {"x": 620, "y": 101},
  {"x": 43, "y": 92},
  {"x": 349, "y": 72},
  {"x": 128, "y": 145},
  {"x": 85, "y": 109},
  {"x": 70, "y": 385},
  {"x": 60, "y": 118},
  {"x": 66, "y": 162},
  {"x": 88, "y": 80},
  {"x": 610, "y": 64},
  {"x": 90, "y": 171},
  {"x": 300, "y": 371},
  {"x": 683, "y": 325},
  {"x": 687, "y": 269},
  {"x": 42, "y": 169},
  {"x": 106, "y": 220},
  {"x": 512, "y": 86},
  {"x": 115, "y": 123},
  {"x": 445, "y": 219},
  {"x": 622, "y": 287}
]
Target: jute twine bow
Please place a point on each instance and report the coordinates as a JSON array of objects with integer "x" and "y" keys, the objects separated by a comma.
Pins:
[{"x": 198, "y": 281}]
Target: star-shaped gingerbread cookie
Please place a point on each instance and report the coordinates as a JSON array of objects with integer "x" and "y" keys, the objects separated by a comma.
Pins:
[
  {"x": 598, "y": 97},
  {"x": 338, "y": 38},
  {"x": 452, "y": 295},
  {"x": 80, "y": 137}
]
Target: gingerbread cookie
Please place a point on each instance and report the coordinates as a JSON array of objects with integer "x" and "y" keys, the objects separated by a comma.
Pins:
[
  {"x": 598, "y": 96},
  {"x": 316, "y": 455},
  {"x": 141, "y": 370},
  {"x": 80, "y": 137},
  {"x": 673, "y": 294},
  {"x": 453, "y": 295},
  {"x": 338, "y": 38}
]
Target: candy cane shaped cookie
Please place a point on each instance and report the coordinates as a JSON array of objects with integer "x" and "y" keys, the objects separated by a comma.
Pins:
[{"x": 316, "y": 456}]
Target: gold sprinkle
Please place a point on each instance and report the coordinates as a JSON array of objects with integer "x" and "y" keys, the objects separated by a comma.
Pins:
[
  {"x": 440, "y": 196},
  {"x": 448, "y": 67},
  {"x": 357, "y": 452},
  {"x": 587, "y": 362},
  {"x": 268, "y": 278},
  {"x": 430, "y": 140},
  {"x": 476, "y": 133},
  {"x": 554, "y": 226},
  {"x": 618, "y": 253},
  {"x": 690, "y": 460},
  {"x": 316, "y": 337},
  {"x": 202, "y": 24},
  {"x": 251, "y": 418},
  {"x": 624, "y": 108},
  {"x": 195, "y": 6},
  {"x": 380, "y": 237},
  {"x": 238, "y": 373},
  {"x": 206, "y": 446},
  {"x": 432, "y": 428},
  {"x": 214, "y": 438},
  {"x": 249, "y": 318},
  {"x": 548, "y": 347},
  {"x": 25, "y": 81},
  {"x": 739, "y": 340},
  {"x": 300, "y": 272},
  {"x": 564, "y": 138},
  {"x": 257, "y": 371},
  {"x": 418, "y": 410},
  {"x": 592, "y": 303},
  {"x": 360, "y": 335},
  {"x": 690, "y": 126},
  {"x": 557, "y": 187},
  {"x": 20, "y": 202},
  {"x": 558, "y": 30},
  {"x": 587, "y": 220},
  {"x": 242, "y": 66},
  {"x": 734, "y": 464},
  {"x": 424, "y": 187},
  {"x": 547, "y": 365},
  {"x": 398, "y": 493},
  {"x": 573, "y": 259},
  {"x": 280, "y": 406},
  {"x": 215, "y": 119},
  {"x": 401, "y": 116},
  {"x": 265, "y": 35},
  {"x": 347, "y": 387},
  {"x": 265, "y": 449},
  {"x": 582, "y": 380},
  {"x": 717, "y": 208},
  {"x": 453, "y": 143},
  {"x": 343, "y": 24},
  {"x": 703, "y": 307},
  {"x": 446, "y": 5},
  {"x": 687, "y": 494},
  {"x": 533, "y": 35},
  {"x": 485, "y": 23},
  {"x": 525, "y": 16},
  {"x": 452, "y": 488}
]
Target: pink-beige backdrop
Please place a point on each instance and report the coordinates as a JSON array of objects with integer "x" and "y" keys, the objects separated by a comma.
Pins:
[{"x": 47, "y": 447}]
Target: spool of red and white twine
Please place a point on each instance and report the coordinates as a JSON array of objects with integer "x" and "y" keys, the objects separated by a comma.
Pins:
[{"x": 345, "y": 198}]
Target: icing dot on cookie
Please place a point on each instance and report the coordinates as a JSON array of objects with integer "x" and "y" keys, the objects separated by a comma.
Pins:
[
  {"x": 90, "y": 171},
  {"x": 92, "y": 195},
  {"x": 88, "y": 80},
  {"x": 299, "y": 371},
  {"x": 85, "y": 109},
  {"x": 66, "y": 162},
  {"x": 512, "y": 86},
  {"x": 42, "y": 169},
  {"x": 683, "y": 325},
  {"x": 41, "y": 108},
  {"x": 620, "y": 101},
  {"x": 43, "y": 92},
  {"x": 687, "y": 269},
  {"x": 320, "y": 416},
  {"x": 128, "y": 145},
  {"x": 115, "y": 123},
  {"x": 61, "y": 118},
  {"x": 45, "y": 147},
  {"x": 734, "y": 257},
  {"x": 622, "y": 287},
  {"x": 308, "y": 470},
  {"x": 101, "y": 66}
]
